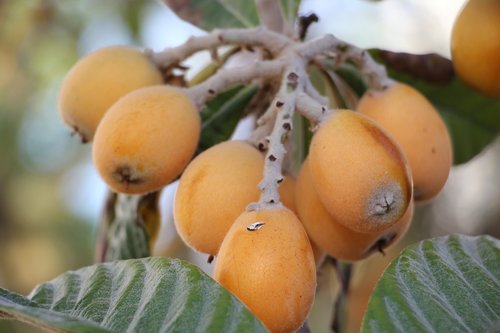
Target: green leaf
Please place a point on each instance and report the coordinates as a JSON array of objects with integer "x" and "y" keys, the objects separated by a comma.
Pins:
[
  {"x": 153, "y": 294},
  {"x": 473, "y": 119},
  {"x": 222, "y": 114},
  {"x": 209, "y": 15},
  {"x": 446, "y": 284}
]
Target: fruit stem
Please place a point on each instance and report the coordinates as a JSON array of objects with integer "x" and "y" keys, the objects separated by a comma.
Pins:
[{"x": 344, "y": 273}]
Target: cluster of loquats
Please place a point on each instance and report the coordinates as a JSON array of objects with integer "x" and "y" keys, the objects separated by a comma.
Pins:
[{"x": 236, "y": 201}]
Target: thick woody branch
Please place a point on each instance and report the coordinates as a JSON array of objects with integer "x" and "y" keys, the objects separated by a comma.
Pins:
[
  {"x": 265, "y": 38},
  {"x": 285, "y": 102},
  {"x": 225, "y": 78}
]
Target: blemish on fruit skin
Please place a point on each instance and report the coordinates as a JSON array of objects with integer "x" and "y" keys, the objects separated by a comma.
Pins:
[
  {"x": 255, "y": 226},
  {"x": 385, "y": 205},
  {"x": 125, "y": 175},
  {"x": 379, "y": 136},
  {"x": 382, "y": 138}
]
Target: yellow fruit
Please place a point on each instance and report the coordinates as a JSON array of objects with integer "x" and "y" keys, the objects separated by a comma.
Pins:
[
  {"x": 98, "y": 80},
  {"x": 414, "y": 123},
  {"x": 267, "y": 262},
  {"x": 338, "y": 241},
  {"x": 475, "y": 45},
  {"x": 145, "y": 139},
  {"x": 359, "y": 173},
  {"x": 215, "y": 188}
]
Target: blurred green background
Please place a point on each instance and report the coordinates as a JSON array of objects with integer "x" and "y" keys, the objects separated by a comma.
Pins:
[{"x": 50, "y": 195}]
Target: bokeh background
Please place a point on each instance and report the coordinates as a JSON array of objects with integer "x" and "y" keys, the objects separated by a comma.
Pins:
[{"x": 51, "y": 196}]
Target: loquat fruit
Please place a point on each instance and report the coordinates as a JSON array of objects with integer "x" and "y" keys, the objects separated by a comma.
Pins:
[
  {"x": 416, "y": 125},
  {"x": 359, "y": 172},
  {"x": 146, "y": 139},
  {"x": 267, "y": 262},
  {"x": 475, "y": 45},
  {"x": 98, "y": 80}
]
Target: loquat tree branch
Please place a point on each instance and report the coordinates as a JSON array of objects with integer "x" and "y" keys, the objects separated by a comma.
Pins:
[
  {"x": 225, "y": 78},
  {"x": 296, "y": 91},
  {"x": 311, "y": 108},
  {"x": 342, "y": 51},
  {"x": 262, "y": 37},
  {"x": 292, "y": 84}
]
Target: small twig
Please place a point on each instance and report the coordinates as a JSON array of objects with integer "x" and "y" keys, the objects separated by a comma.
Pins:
[
  {"x": 259, "y": 137},
  {"x": 310, "y": 108},
  {"x": 263, "y": 37},
  {"x": 344, "y": 273},
  {"x": 225, "y": 78},
  {"x": 342, "y": 51}
]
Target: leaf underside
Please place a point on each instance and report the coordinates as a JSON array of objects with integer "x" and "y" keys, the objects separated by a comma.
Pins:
[
  {"x": 154, "y": 294},
  {"x": 446, "y": 284}
]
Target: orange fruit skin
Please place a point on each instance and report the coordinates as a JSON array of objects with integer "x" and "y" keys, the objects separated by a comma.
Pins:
[
  {"x": 416, "y": 125},
  {"x": 149, "y": 134},
  {"x": 98, "y": 80},
  {"x": 336, "y": 240},
  {"x": 359, "y": 172},
  {"x": 271, "y": 270},
  {"x": 215, "y": 188},
  {"x": 475, "y": 46}
]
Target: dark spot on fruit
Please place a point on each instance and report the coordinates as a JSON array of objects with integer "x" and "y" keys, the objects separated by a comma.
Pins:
[
  {"x": 210, "y": 259},
  {"x": 272, "y": 158},
  {"x": 125, "y": 175},
  {"x": 379, "y": 136},
  {"x": 255, "y": 226}
]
